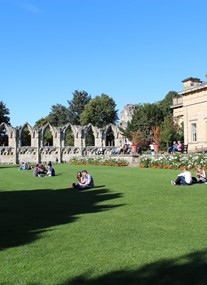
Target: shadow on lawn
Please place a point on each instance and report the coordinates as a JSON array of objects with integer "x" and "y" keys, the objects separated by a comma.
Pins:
[
  {"x": 186, "y": 270},
  {"x": 26, "y": 214}
]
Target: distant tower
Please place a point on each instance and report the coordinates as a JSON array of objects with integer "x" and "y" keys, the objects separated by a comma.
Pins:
[{"x": 126, "y": 115}]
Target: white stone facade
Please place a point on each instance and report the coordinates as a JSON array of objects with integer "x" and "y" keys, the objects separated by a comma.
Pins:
[{"x": 191, "y": 109}]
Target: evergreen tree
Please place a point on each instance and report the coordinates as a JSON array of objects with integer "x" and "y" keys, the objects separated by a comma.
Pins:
[
  {"x": 58, "y": 115},
  {"x": 4, "y": 111},
  {"x": 4, "y": 118},
  {"x": 76, "y": 106}
]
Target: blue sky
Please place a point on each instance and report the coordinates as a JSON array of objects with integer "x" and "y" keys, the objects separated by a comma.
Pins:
[{"x": 135, "y": 51}]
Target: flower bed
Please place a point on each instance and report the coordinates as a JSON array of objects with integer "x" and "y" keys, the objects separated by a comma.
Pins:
[
  {"x": 175, "y": 161},
  {"x": 98, "y": 161}
]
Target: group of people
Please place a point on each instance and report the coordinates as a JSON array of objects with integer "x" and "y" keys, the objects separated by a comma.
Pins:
[
  {"x": 41, "y": 171},
  {"x": 125, "y": 149},
  {"x": 24, "y": 166},
  {"x": 186, "y": 178},
  {"x": 84, "y": 180},
  {"x": 176, "y": 147}
]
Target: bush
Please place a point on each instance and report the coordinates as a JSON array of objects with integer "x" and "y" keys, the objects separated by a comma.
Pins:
[
  {"x": 98, "y": 161},
  {"x": 175, "y": 161}
]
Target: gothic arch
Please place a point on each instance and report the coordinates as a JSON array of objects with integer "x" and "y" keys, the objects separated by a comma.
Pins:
[
  {"x": 109, "y": 135},
  {"x": 67, "y": 137},
  {"x": 7, "y": 128},
  {"x": 53, "y": 132},
  {"x": 4, "y": 136},
  {"x": 89, "y": 135},
  {"x": 25, "y": 138},
  {"x": 69, "y": 125}
]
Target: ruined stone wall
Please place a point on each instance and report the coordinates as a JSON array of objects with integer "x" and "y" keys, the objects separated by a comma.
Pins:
[{"x": 15, "y": 151}]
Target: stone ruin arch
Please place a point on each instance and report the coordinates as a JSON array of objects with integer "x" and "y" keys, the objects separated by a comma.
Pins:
[
  {"x": 30, "y": 134},
  {"x": 65, "y": 130},
  {"x": 36, "y": 151},
  {"x": 8, "y": 151},
  {"x": 4, "y": 137}
]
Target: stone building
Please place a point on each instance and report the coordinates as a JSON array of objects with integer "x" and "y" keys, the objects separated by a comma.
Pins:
[
  {"x": 27, "y": 144},
  {"x": 126, "y": 115},
  {"x": 190, "y": 107}
]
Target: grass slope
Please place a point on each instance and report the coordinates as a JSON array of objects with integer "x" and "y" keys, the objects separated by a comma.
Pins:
[{"x": 133, "y": 228}]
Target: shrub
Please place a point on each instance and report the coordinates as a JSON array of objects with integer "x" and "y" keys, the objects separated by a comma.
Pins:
[
  {"x": 175, "y": 161},
  {"x": 99, "y": 161}
]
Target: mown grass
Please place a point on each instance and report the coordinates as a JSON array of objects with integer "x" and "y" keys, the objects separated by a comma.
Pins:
[{"x": 133, "y": 228}]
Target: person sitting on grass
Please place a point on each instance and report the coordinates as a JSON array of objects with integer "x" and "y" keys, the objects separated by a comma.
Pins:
[
  {"x": 41, "y": 166},
  {"x": 86, "y": 181},
  {"x": 37, "y": 171},
  {"x": 184, "y": 178},
  {"x": 79, "y": 178},
  {"x": 24, "y": 166},
  {"x": 201, "y": 174},
  {"x": 51, "y": 171}
]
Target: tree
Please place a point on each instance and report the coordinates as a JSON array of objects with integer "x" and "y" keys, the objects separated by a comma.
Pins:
[
  {"x": 58, "y": 115},
  {"x": 167, "y": 102},
  {"x": 168, "y": 130},
  {"x": 76, "y": 106},
  {"x": 100, "y": 112},
  {"x": 145, "y": 118},
  {"x": 42, "y": 122},
  {"x": 4, "y": 111}
]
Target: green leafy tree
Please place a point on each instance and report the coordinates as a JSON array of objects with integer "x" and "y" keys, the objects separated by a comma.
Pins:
[
  {"x": 167, "y": 102},
  {"x": 4, "y": 118},
  {"x": 100, "y": 112},
  {"x": 42, "y": 122},
  {"x": 76, "y": 106},
  {"x": 58, "y": 115},
  {"x": 168, "y": 130},
  {"x": 4, "y": 111},
  {"x": 145, "y": 118}
]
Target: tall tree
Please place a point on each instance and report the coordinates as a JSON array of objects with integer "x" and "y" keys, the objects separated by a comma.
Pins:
[
  {"x": 4, "y": 111},
  {"x": 58, "y": 115},
  {"x": 100, "y": 112},
  {"x": 168, "y": 131},
  {"x": 76, "y": 106},
  {"x": 167, "y": 102},
  {"x": 144, "y": 119},
  {"x": 42, "y": 122}
]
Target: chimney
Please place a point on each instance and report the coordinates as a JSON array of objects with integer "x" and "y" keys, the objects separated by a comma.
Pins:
[{"x": 191, "y": 82}]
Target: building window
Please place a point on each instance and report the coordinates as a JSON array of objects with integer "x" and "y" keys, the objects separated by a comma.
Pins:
[{"x": 194, "y": 132}]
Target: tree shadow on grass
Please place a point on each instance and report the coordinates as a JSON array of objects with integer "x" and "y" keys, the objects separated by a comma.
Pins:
[
  {"x": 186, "y": 270},
  {"x": 26, "y": 214}
]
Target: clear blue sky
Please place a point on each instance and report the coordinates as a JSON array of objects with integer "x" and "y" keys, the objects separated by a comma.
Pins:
[{"x": 135, "y": 51}]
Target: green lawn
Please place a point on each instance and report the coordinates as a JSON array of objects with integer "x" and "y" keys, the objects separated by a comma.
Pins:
[{"x": 133, "y": 228}]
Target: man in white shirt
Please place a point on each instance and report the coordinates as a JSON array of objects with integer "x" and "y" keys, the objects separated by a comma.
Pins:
[{"x": 184, "y": 178}]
